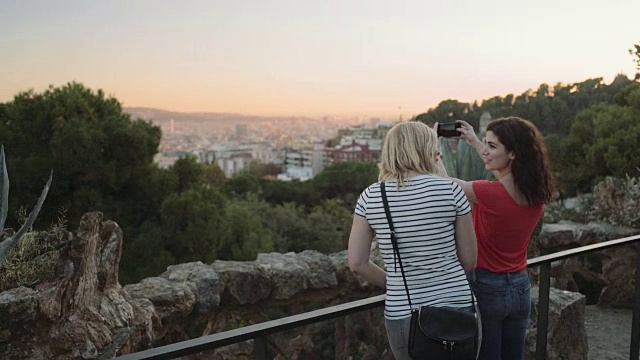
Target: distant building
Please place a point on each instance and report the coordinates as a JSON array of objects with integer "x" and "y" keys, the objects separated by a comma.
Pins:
[
  {"x": 353, "y": 152},
  {"x": 166, "y": 159},
  {"x": 233, "y": 157},
  {"x": 241, "y": 132},
  {"x": 300, "y": 173}
]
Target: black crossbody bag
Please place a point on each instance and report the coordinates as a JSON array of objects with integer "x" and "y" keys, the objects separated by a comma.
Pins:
[{"x": 438, "y": 333}]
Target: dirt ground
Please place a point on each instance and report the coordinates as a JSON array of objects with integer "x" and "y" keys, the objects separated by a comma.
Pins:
[{"x": 608, "y": 333}]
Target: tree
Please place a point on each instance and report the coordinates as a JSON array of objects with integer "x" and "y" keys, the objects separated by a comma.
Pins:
[
  {"x": 101, "y": 158},
  {"x": 332, "y": 224},
  {"x": 242, "y": 184},
  {"x": 295, "y": 191},
  {"x": 188, "y": 228},
  {"x": 344, "y": 181},
  {"x": 189, "y": 171},
  {"x": 213, "y": 175},
  {"x": 244, "y": 235},
  {"x": 447, "y": 110},
  {"x": 604, "y": 141},
  {"x": 636, "y": 52}
]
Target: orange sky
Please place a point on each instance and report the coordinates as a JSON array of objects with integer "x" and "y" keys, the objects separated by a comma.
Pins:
[{"x": 286, "y": 57}]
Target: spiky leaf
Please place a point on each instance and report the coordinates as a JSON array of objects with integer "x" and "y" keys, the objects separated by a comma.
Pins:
[
  {"x": 8, "y": 244},
  {"x": 447, "y": 157},
  {"x": 4, "y": 189},
  {"x": 469, "y": 164}
]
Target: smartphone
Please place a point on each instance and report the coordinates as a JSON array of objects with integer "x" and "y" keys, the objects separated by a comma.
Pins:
[{"x": 448, "y": 129}]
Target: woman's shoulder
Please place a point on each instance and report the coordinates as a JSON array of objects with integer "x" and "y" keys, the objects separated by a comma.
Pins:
[{"x": 487, "y": 185}]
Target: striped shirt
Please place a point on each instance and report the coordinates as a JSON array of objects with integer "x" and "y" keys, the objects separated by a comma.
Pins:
[{"x": 423, "y": 214}]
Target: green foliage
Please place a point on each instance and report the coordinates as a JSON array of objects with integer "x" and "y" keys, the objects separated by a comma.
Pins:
[
  {"x": 241, "y": 185},
  {"x": 466, "y": 164},
  {"x": 289, "y": 226},
  {"x": 187, "y": 228},
  {"x": 33, "y": 259},
  {"x": 447, "y": 110},
  {"x": 244, "y": 235},
  {"x": 8, "y": 244},
  {"x": 604, "y": 141},
  {"x": 189, "y": 172},
  {"x": 101, "y": 157},
  {"x": 295, "y": 191},
  {"x": 190, "y": 222},
  {"x": 332, "y": 224},
  {"x": 635, "y": 52},
  {"x": 617, "y": 201},
  {"x": 344, "y": 181},
  {"x": 22, "y": 268},
  {"x": 557, "y": 211},
  {"x": 213, "y": 175},
  {"x": 260, "y": 169},
  {"x": 551, "y": 109}
]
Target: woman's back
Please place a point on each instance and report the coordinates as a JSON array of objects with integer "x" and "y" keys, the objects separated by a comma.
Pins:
[
  {"x": 503, "y": 227},
  {"x": 423, "y": 214}
]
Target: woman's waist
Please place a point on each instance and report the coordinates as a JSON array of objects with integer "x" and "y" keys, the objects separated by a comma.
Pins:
[{"x": 500, "y": 278}]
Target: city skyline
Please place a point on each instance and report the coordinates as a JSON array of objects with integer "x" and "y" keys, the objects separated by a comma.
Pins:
[{"x": 290, "y": 58}]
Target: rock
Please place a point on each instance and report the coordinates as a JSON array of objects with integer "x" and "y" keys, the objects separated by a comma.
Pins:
[
  {"x": 567, "y": 235},
  {"x": 566, "y": 336},
  {"x": 606, "y": 276},
  {"x": 242, "y": 282},
  {"x": 18, "y": 310},
  {"x": 171, "y": 300},
  {"x": 288, "y": 273},
  {"x": 76, "y": 314},
  {"x": 203, "y": 280},
  {"x": 619, "y": 270}
]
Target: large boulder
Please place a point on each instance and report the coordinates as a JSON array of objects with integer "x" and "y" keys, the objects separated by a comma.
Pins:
[
  {"x": 606, "y": 277},
  {"x": 566, "y": 334}
]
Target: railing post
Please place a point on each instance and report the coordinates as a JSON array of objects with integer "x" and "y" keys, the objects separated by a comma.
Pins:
[
  {"x": 543, "y": 310},
  {"x": 260, "y": 346},
  {"x": 634, "y": 349}
]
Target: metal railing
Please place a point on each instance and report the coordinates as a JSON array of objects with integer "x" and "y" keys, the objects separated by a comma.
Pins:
[{"x": 260, "y": 332}]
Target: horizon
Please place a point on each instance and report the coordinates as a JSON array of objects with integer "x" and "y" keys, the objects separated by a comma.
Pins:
[{"x": 366, "y": 59}]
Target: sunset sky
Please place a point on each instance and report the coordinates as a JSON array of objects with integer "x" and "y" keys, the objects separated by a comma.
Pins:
[{"x": 311, "y": 57}]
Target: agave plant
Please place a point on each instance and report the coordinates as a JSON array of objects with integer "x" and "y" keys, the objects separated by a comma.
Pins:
[
  {"x": 465, "y": 164},
  {"x": 10, "y": 242}
]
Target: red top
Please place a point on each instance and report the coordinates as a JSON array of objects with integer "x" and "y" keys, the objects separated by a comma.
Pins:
[{"x": 503, "y": 228}]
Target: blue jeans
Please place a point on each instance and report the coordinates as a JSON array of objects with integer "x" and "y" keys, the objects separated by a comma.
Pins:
[{"x": 504, "y": 300}]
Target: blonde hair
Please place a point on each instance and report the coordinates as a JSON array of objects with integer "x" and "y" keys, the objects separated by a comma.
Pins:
[{"x": 408, "y": 146}]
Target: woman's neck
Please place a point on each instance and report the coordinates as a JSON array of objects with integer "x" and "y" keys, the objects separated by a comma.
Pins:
[
  {"x": 412, "y": 173},
  {"x": 515, "y": 193}
]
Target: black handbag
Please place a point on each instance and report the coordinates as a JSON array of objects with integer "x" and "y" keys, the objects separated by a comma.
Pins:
[{"x": 438, "y": 333}]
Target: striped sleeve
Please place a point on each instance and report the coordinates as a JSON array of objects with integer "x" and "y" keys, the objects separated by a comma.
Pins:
[
  {"x": 462, "y": 204},
  {"x": 361, "y": 205}
]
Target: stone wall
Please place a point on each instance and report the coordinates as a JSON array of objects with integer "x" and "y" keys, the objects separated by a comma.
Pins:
[{"x": 85, "y": 312}]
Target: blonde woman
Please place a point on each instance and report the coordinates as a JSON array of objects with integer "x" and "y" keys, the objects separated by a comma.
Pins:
[{"x": 433, "y": 227}]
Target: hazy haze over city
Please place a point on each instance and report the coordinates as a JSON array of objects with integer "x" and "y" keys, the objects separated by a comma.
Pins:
[{"x": 311, "y": 58}]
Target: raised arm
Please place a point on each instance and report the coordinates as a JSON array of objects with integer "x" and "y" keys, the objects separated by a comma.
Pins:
[{"x": 468, "y": 135}]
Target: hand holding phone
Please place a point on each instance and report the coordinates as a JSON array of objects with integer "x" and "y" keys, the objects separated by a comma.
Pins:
[{"x": 449, "y": 129}]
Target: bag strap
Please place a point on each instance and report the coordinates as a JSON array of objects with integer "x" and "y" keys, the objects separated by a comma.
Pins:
[
  {"x": 396, "y": 249},
  {"x": 394, "y": 241}
]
